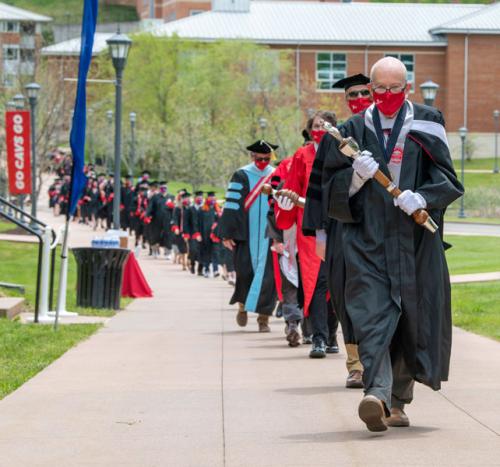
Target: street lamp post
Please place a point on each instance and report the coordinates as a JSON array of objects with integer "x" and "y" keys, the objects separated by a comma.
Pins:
[
  {"x": 463, "y": 135},
  {"x": 263, "y": 126},
  {"x": 133, "y": 119},
  {"x": 33, "y": 90},
  {"x": 91, "y": 136},
  {"x": 119, "y": 45},
  {"x": 429, "y": 90},
  {"x": 496, "y": 117},
  {"x": 108, "y": 164}
]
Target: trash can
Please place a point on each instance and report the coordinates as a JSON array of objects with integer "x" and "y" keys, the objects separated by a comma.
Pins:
[{"x": 99, "y": 276}]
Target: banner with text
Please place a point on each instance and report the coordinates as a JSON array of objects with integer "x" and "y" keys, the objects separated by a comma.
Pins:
[{"x": 18, "y": 138}]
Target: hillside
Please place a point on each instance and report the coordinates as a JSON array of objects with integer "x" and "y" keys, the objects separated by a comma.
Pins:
[{"x": 70, "y": 11}]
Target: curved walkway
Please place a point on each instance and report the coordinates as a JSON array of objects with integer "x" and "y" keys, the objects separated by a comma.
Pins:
[{"x": 172, "y": 381}]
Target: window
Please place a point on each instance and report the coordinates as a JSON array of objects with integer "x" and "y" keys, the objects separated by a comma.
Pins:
[
  {"x": 10, "y": 53},
  {"x": 409, "y": 62},
  {"x": 9, "y": 80},
  {"x": 9, "y": 26},
  {"x": 330, "y": 67},
  {"x": 27, "y": 55},
  {"x": 28, "y": 29}
]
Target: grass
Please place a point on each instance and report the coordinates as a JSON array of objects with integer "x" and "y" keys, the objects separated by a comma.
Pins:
[
  {"x": 70, "y": 11},
  {"x": 471, "y": 255},
  {"x": 473, "y": 220},
  {"x": 26, "y": 349},
  {"x": 475, "y": 164},
  {"x": 6, "y": 226},
  {"x": 173, "y": 187},
  {"x": 476, "y": 308},
  {"x": 18, "y": 264}
]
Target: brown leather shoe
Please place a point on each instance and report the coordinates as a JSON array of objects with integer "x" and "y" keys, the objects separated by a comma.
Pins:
[
  {"x": 241, "y": 316},
  {"x": 398, "y": 418},
  {"x": 354, "y": 380},
  {"x": 371, "y": 411},
  {"x": 293, "y": 336},
  {"x": 263, "y": 321}
]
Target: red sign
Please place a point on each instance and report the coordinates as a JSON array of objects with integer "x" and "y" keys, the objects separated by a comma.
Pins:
[{"x": 17, "y": 135}]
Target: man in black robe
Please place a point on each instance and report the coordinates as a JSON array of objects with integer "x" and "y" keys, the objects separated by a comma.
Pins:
[
  {"x": 243, "y": 230},
  {"x": 316, "y": 222},
  {"x": 396, "y": 285},
  {"x": 157, "y": 211},
  {"x": 207, "y": 216}
]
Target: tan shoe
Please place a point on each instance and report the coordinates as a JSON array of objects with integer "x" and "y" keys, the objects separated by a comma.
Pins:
[
  {"x": 398, "y": 418},
  {"x": 263, "y": 322},
  {"x": 371, "y": 411},
  {"x": 354, "y": 380},
  {"x": 241, "y": 316}
]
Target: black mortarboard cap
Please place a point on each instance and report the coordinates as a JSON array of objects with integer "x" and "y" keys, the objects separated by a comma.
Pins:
[
  {"x": 162, "y": 183},
  {"x": 353, "y": 80},
  {"x": 262, "y": 147},
  {"x": 198, "y": 193},
  {"x": 145, "y": 172},
  {"x": 153, "y": 183},
  {"x": 210, "y": 193},
  {"x": 186, "y": 194}
]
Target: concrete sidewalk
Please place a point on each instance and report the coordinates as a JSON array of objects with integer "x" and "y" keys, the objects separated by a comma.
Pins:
[{"x": 172, "y": 381}]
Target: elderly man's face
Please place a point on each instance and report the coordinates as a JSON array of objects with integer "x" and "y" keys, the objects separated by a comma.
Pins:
[{"x": 389, "y": 79}]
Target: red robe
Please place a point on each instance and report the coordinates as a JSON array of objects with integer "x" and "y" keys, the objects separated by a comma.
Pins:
[{"x": 297, "y": 180}]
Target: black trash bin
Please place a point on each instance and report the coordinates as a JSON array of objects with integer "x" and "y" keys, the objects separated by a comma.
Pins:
[{"x": 99, "y": 276}]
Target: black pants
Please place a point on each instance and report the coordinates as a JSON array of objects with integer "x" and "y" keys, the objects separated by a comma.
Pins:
[{"x": 322, "y": 318}]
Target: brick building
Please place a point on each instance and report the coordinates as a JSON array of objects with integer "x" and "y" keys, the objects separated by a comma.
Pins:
[
  {"x": 20, "y": 40},
  {"x": 454, "y": 45}
]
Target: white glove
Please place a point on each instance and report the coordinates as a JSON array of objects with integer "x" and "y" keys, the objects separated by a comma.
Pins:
[
  {"x": 285, "y": 203},
  {"x": 365, "y": 165},
  {"x": 409, "y": 202}
]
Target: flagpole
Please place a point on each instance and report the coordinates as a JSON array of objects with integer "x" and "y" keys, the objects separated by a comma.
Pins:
[{"x": 63, "y": 271}]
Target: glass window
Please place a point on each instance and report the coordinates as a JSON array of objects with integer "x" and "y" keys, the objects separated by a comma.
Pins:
[
  {"x": 10, "y": 53},
  {"x": 409, "y": 62},
  {"x": 330, "y": 67}
]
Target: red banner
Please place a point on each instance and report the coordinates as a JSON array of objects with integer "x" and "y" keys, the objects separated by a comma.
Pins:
[{"x": 18, "y": 141}]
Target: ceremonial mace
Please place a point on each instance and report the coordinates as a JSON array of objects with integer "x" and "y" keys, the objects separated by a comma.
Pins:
[
  {"x": 299, "y": 201},
  {"x": 349, "y": 147}
]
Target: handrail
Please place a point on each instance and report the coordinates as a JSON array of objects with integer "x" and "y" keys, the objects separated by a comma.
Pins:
[{"x": 38, "y": 234}]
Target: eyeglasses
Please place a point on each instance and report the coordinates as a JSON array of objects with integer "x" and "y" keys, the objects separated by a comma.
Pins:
[
  {"x": 262, "y": 159},
  {"x": 362, "y": 93},
  {"x": 392, "y": 89}
]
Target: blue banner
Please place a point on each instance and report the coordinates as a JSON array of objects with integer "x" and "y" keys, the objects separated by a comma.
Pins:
[{"x": 79, "y": 125}]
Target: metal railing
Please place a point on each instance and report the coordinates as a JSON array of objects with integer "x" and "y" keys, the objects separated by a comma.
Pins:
[{"x": 16, "y": 215}]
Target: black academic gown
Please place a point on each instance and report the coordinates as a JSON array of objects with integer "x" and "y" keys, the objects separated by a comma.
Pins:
[
  {"x": 316, "y": 218},
  {"x": 206, "y": 218},
  {"x": 156, "y": 210},
  {"x": 391, "y": 263},
  {"x": 255, "y": 286}
]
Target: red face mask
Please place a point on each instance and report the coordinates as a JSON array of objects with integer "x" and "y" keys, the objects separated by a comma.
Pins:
[
  {"x": 198, "y": 200},
  {"x": 261, "y": 165},
  {"x": 185, "y": 202},
  {"x": 317, "y": 135},
  {"x": 359, "y": 104},
  {"x": 211, "y": 201},
  {"x": 389, "y": 103}
]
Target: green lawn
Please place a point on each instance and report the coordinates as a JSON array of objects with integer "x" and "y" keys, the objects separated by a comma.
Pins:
[
  {"x": 472, "y": 220},
  {"x": 473, "y": 254},
  {"x": 173, "y": 187},
  {"x": 476, "y": 308},
  {"x": 26, "y": 349},
  {"x": 476, "y": 164},
  {"x": 18, "y": 263},
  {"x": 6, "y": 226},
  {"x": 63, "y": 11}
]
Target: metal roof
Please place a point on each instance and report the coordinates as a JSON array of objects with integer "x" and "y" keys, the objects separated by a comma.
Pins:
[
  {"x": 72, "y": 46},
  {"x": 305, "y": 22},
  {"x": 11, "y": 13},
  {"x": 483, "y": 21}
]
